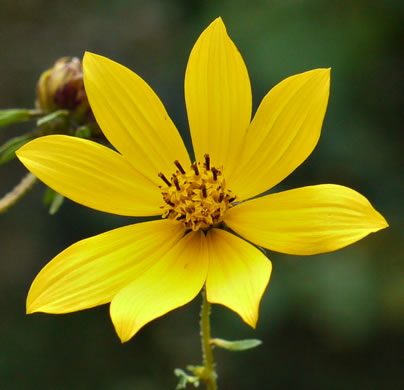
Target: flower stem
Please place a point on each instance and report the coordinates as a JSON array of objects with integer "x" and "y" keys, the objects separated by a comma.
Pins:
[
  {"x": 209, "y": 375},
  {"x": 17, "y": 192}
]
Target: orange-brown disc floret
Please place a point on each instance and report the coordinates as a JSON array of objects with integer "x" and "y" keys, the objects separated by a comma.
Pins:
[{"x": 197, "y": 198}]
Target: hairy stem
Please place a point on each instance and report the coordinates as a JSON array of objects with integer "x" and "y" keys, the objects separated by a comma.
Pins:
[
  {"x": 17, "y": 192},
  {"x": 209, "y": 375}
]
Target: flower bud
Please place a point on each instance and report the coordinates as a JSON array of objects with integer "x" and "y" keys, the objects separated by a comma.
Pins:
[{"x": 62, "y": 88}]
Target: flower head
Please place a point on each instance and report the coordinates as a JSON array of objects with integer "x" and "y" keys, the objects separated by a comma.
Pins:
[{"x": 147, "y": 269}]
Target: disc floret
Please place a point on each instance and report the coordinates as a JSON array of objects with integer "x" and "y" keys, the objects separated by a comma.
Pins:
[{"x": 197, "y": 198}]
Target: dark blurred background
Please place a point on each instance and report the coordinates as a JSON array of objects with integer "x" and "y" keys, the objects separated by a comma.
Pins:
[{"x": 332, "y": 321}]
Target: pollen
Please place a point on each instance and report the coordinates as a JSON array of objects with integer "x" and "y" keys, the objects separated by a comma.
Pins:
[{"x": 197, "y": 198}]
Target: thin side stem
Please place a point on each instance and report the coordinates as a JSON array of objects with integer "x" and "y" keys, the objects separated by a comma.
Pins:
[
  {"x": 17, "y": 192},
  {"x": 208, "y": 361}
]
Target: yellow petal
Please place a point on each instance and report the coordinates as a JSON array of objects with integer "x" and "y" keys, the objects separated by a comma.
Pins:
[
  {"x": 173, "y": 280},
  {"x": 307, "y": 220},
  {"x": 283, "y": 133},
  {"x": 218, "y": 97},
  {"x": 92, "y": 271},
  {"x": 238, "y": 274},
  {"x": 132, "y": 117},
  {"x": 91, "y": 174}
]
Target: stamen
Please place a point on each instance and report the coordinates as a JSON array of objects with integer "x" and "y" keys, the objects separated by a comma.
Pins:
[
  {"x": 215, "y": 172},
  {"x": 194, "y": 166},
  {"x": 161, "y": 175},
  {"x": 169, "y": 202},
  {"x": 196, "y": 198},
  {"x": 178, "y": 165},
  {"x": 207, "y": 162},
  {"x": 177, "y": 184},
  {"x": 204, "y": 192}
]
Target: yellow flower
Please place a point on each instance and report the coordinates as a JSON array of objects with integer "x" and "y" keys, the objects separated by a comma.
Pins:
[{"x": 147, "y": 269}]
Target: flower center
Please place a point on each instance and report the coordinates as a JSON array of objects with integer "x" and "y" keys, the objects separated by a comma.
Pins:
[{"x": 197, "y": 198}]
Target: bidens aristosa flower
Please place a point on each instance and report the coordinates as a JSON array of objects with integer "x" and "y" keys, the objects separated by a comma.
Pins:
[{"x": 147, "y": 269}]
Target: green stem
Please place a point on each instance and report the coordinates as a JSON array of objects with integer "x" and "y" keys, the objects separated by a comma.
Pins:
[
  {"x": 209, "y": 375},
  {"x": 17, "y": 192}
]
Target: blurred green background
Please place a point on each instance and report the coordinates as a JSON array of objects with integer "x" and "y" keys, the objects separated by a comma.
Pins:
[{"x": 332, "y": 321}]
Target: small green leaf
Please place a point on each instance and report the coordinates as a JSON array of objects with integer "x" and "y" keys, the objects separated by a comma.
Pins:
[
  {"x": 184, "y": 379},
  {"x": 51, "y": 117},
  {"x": 56, "y": 204},
  {"x": 238, "y": 345},
  {"x": 54, "y": 200},
  {"x": 83, "y": 132},
  {"x": 7, "y": 150},
  {"x": 15, "y": 115},
  {"x": 49, "y": 194},
  {"x": 182, "y": 383}
]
